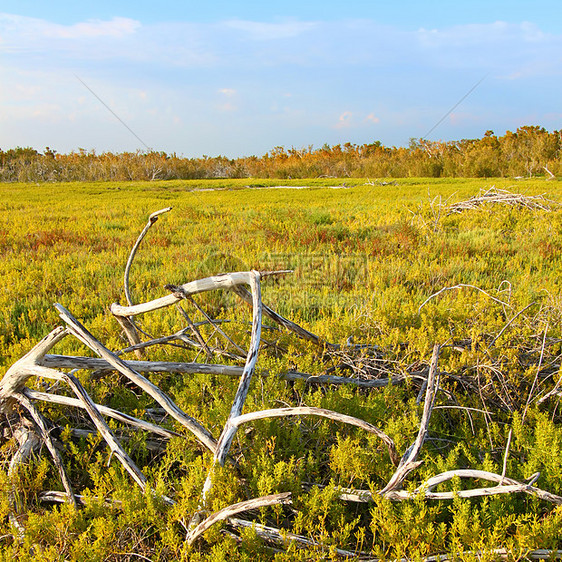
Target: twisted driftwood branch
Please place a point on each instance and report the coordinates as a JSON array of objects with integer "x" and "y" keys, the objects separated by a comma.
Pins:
[
  {"x": 504, "y": 486},
  {"x": 408, "y": 461},
  {"x": 96, "y": 364},
  {"x": 151, "y": 389},
  {"x": 235, "y": 509},
  {"x": 229, "y": 429},
  {"x": 323, "y": 413},
  {"x": 151, "y": 220}
]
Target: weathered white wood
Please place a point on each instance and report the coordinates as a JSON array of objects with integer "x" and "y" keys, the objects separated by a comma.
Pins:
[
  {"x": 505, "y": 486},
  {"x": 334, "y": 379},
  {"x": 235, "y": 509},
  {"x": 96, "y": 418},
  {"x": 323, "y": 413},
  {"x": 29, "y": 442},
  {"x": 16, "y": 376},
  {"x": 229, "y": 429},
  {"x": 95, "y": 363},
  {"x": 45, "y": 435},
  {"x": 151, "y": 220},
  {"x": 505, "y": 197},
  {"x": 60, "y": 497},
  {"x": 271, "y": 534},
  {"x": 104, "y": 410},
  {"x": 223, "y": 281},
  {"x": 509, "y": 485},
  {"x": 131, "y": 333},
  {"x": 408, "y": 461},
  {"x": 151, "y": 389},
  {"x": 251, "y": 359}
]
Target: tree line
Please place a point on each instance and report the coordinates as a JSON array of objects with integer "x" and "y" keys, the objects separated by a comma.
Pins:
[{"x": 529, "y": 151}]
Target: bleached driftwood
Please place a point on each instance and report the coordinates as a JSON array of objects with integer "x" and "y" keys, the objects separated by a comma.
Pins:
[
  {"x": 229, "y": 429},
  {"x": 95, "y": 364},
  {"x": 323, "y": 413},
  {"x": 78, "y": 330},
  {"x": 426, "y": 489},
  {"x": 273, "y": 535},
  {"x": 235, "y": 509},
  {"x": 151, "y": 220},
  {"x": 38, "y": 363},
  {"x": 408, "y": 461}
]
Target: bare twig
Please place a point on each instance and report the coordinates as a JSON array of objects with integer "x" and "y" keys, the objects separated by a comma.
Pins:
[
  {"x": 235, "y": 509},
  {"x": 460, "y": 286},
  {"x": 151, "y": 220},
  {"x": 408, "y": 461},
  {"x": 321, "y": 412}
]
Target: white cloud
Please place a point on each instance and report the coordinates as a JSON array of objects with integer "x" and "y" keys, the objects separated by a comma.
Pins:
[
  {"x": 227, "y": 107},
  {"x": 499, "y": 46},
  {"x": 15, "y": 29},
  {"x": 344, "y": 120},
  {"x": 265, "y": 31},
  {"x": 115, "y": 28}
]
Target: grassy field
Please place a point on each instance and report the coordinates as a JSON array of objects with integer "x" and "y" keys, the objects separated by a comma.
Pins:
[{"x": 366, "y": 257}]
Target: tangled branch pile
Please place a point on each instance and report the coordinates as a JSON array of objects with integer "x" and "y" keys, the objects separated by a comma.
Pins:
[{"x": 503, "y": 197}]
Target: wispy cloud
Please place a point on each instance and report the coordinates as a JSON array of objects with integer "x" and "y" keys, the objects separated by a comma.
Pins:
[
  {"x": 116, "y": 28},
  {"x": 18, "y": 29},
  {"x": 500, "y": 47},
  {"x": 372, "y": 118},
  {"x": 344, "y": 120},
  {"x": 227, "y": 107},
  {"x": 266, "y": 31}
]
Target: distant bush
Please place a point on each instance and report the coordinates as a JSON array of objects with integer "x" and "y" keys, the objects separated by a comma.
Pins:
[{"x": 530, "y": 151}]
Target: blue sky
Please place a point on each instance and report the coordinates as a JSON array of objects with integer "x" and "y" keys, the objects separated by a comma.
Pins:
[{"x": 239, "y": 78}]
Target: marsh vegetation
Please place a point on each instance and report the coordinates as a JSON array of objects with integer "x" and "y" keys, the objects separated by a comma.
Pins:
[{"x": 382, "y": 271}]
